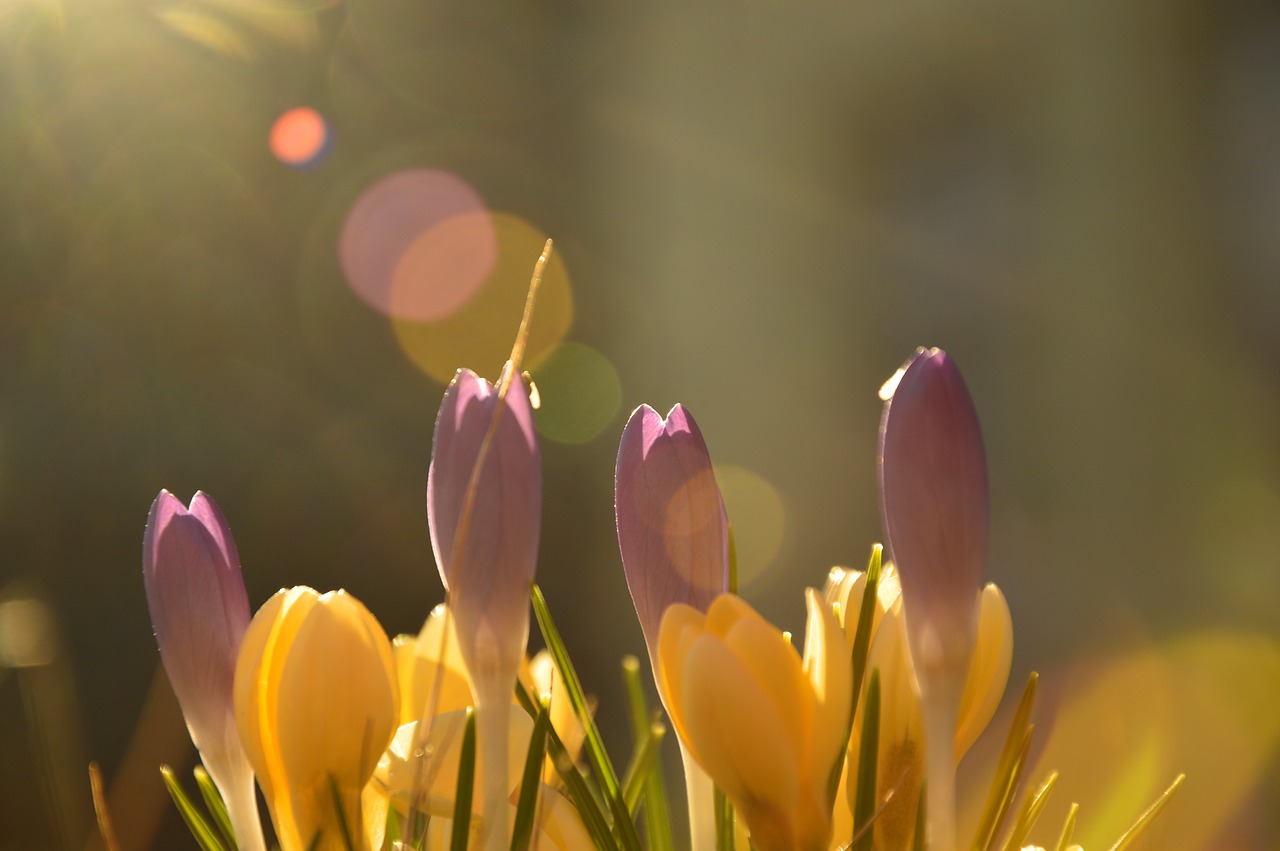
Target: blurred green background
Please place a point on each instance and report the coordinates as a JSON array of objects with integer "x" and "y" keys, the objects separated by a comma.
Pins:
[{"x": 760, "y": 209}]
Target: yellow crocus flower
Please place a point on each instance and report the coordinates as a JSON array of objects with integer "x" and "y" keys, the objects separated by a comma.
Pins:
[
  {"x": 765, "y": 725},
  {"x": 901, "y": 758},
  {"x": 433, "y": 677},
  {"x": 422, "y": 773},
  {"x": 316, "y": 700}
]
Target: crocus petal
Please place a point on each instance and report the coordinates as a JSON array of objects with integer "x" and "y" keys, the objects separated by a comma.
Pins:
[
  {"x": 484, "y": 506},
  {"x": 989, "y": 670},
  {"x": 748, "y": 711},
  {"x": 489, "y": 579},
  {"x": 826, "y": 664},
  {"x": 933, "y": 492},
  {"x": 403, "y": 771},
  {"x": 316, "y": 701},
  {"x": 433, "y": 677},
  {"x": 672, "y": 527},
  {"x": 933, "y": 498},
  {"x": 900, "y": 758},
  {"x": 200, "y": 611}
]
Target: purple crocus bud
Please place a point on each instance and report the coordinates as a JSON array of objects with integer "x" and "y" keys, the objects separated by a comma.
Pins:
[
  {"x": 672, "y": 528},
  {"x": 485, "y": 522},
  {"x": 484, "y": 507},
  {"x": 200, "y": 611},
  {"x": 933, "y": 500}
]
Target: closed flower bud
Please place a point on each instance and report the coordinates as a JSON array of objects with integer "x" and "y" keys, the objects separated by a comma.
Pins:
[
  {"x": 316, "y": 700},
  {"x": 672, "y": 529},
  {"x": 765, "y": 725},
  {"x": 933, "y": 498},
  {"x": 199, "y": 610},
  {"x": 484, "y": 507},
  {"x": 485, "y": 523}
]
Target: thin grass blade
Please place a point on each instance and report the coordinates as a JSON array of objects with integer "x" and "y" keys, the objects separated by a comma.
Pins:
[
  {"x": 584, "y": 800},
  {"x": 858, "y": 659},
  {"x": 642, "y": 762},
  {"x": 1068, "y": 828},
  {"x": 530, "y": 781},
  {"x": 726, "y": 839},
  {"x": 1005, "y": 781},
  {"x": 657, "y": 820},
  {"x": 465, "y": 787},
  {"x": 199, "y": 827},
  {"x": 864, "y": 802},
  {"x": 1144, "y": 821},
  {"x": 347, "y": 839},
  {"x": 213, "y": 802},
  {"x": 917, "y": 838},
  {"x": 624, "y": 828},
  {"x": 1029, "y": 814}
]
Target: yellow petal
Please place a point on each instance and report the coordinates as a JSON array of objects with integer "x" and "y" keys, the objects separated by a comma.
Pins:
[
  {"x": 433, "y": 678},
  {"x": 739, "y": 736},
  {"x": 681, "y": 625},
  {"x": 435, "y": 773},
  {"x": 773, "y": 663},
  {"x": 335, "y": 713},
  {"x": 546, "y": 681},
  {"x": 826, "y": 663},
  {"x": 988, "y": 669},
  {"x": 262, "y": 654}
]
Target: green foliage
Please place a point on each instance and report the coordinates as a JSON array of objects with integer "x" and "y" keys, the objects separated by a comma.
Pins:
[{"x": 196, "y": 822}]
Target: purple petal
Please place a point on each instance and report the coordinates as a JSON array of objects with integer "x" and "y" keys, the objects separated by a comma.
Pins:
[
  {"x": 673, "y": 532},
  {"x": 489, "y": 578},
  {"x": 933, "y": 491},
  {"x": 199, "y": 610}
]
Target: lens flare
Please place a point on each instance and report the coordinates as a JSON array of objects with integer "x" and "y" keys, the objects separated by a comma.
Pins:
[
  {"x": 758, "y": 518},
  {"x": 418, "y": 245},
  {"x": 478, "y": 334},
  {"x": 300, "y": 137},
  {"x": 580, "y": 391},
  {"x": 1203, "y": 704}
]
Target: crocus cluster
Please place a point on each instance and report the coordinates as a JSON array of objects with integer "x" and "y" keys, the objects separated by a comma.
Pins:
[{"x": 457, "y": 737}]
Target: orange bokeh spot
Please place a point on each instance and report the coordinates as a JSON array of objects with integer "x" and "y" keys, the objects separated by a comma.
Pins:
[{"x": 299, "y": 136}]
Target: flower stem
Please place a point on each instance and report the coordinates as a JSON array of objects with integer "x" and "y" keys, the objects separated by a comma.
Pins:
[
  {"x": 491, "y": 734},
  {"x": 941, "y": 708},
  {"x": 702, "y": 812}
]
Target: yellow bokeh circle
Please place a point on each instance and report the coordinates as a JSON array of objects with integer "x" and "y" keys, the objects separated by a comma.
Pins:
[{"x": 479, "y": 334}]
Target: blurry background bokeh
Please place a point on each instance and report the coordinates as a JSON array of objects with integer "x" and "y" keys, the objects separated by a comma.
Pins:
[{"x": 244, "y": 243}]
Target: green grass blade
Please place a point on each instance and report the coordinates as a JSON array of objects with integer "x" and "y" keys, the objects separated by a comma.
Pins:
[
  {"x": 864, "y": 802},
  {"x": 858, "y": 660},
  {"x": 1008, "y": 769},
  {"x": 214, "y": 804},
  {"x": 1068, "y": 828},
  {"x": 1029, "y": 814},
  {"x": 917, "y": 838},
  {"x": 726, "y": 839},
  {"x": 1010, "y": 790},
  {"x": 341, "y": 813},
  {"x": 642, "y": 762},
  {"x": 465, "y": 787},
  {"x": 1144, "y": 821},
  {"x": 531, "y": 781},
  {"x": 199, "y": 827},
  {"x": 623, "y": 826},
  {"x": 657, "y": 819},
  {"x": 580, "y": 795}
]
